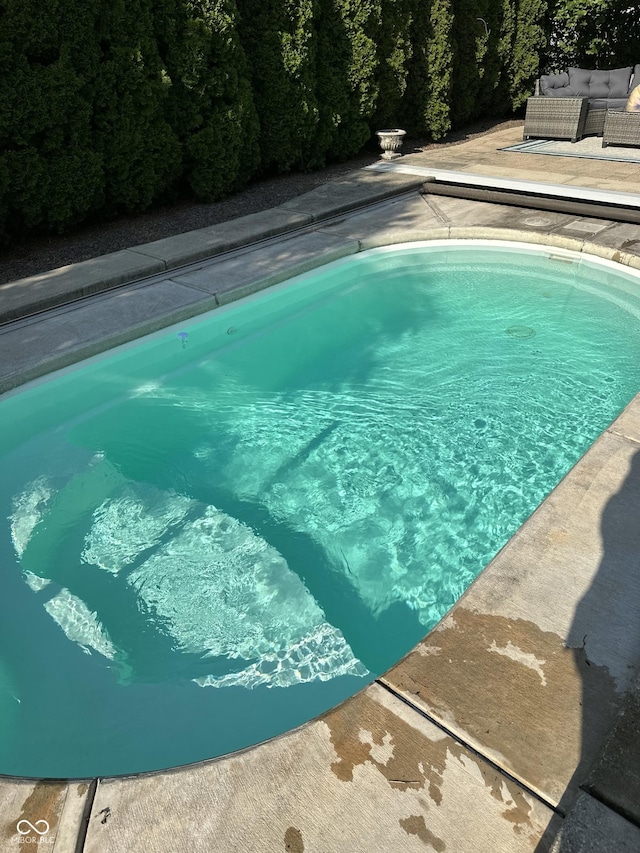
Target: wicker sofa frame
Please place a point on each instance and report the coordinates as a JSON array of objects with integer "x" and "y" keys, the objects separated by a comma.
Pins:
[
  {"x": 558, "y": 118},
  {"x": 594, "y": 123},
  {"x": 545, "y": 120},
  {"x": 621, "y": 128}
]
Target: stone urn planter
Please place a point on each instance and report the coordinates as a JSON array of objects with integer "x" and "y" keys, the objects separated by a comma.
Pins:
[{"x": 391, "y": 142}]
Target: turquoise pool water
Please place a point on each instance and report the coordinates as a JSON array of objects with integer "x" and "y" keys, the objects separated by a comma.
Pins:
[{"x": 217, "y": 533}]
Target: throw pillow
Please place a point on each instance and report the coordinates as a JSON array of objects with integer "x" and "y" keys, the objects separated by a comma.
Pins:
[{"x": 633, "y": 104}]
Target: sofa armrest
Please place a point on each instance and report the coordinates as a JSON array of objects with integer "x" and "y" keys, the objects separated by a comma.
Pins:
[{"x": 555, "y": 118}]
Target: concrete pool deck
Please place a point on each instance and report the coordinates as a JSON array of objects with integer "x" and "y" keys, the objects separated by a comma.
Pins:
[{"x": 513, "y": 726}]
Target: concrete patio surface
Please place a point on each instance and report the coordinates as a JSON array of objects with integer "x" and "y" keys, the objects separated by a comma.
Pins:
[
  {"x": 482, "y": 156},
  {"x": 507, "y": 728}
]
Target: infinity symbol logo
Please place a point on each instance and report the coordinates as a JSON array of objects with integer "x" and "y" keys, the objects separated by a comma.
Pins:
[{"x": 32, "y": 828}]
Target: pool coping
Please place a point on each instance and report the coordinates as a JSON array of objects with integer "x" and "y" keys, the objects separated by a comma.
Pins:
[
  {"x": 22, "y": 297},
  {"x": 355, "y": 192},
  {"x": 332, "y": 245},
  {"x": 602, "y": 201},
  {"x": 74, "y": 813}
]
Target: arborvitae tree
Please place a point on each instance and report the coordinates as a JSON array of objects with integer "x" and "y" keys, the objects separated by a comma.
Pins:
[
  {"x": 346, "y": 68},
  {"x": 469, "y": 43},
  {"x": 425, "y": 106},
  {"x": 332, "y": 64},
  {"x": 141, "y": 153},
  {"x": 116, "y": 104},
  {"x": 440, "y": 65},
  {"x": 394, "y": 51},
  {"x": 279, "y": 39},
  {"x": 529, "y": 42},
  {"x": 412, "y": 108},
  {"x": 211, "y": 104},
  {"x": 50, "y": 176},
  {"x": 483, "y": 42},
  {"x": 504, "y": 30},
  {"x": 493, "y": 92}
]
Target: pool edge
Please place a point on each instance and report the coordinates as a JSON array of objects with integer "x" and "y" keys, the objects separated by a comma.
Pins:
[{"x": 627, "y": 433}]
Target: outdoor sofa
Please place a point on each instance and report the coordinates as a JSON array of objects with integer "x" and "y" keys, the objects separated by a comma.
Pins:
[{"x": 575, "y": 103}]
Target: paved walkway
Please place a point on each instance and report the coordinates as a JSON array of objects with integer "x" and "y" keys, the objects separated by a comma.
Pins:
[
  {"x": 481, "y": 156},
  {"x": 483, "y": 737}
]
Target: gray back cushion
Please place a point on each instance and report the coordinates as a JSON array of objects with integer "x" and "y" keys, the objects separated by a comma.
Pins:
[
  {"x": 600, "y": 84},
  {"x": 555, "y": 85}
]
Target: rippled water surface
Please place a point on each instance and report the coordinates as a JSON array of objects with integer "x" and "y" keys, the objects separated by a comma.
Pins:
[{"x": 218, "y": 533}]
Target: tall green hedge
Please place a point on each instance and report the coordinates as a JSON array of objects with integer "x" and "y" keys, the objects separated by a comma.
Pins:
[
  {"x": 139, "y": 150},
  {"x": 50, "y": 173},
  {"x": 496, "y": 47},
  {"x": 210, "y": 100},
  {"x": 115, "y": 105},
  {"x": 440, "y": 60},
  {"x": 345, "y": 77},
  {"x": 394, "y": 52},
  {"x": 348, "y": 45},
  {"x": 528, "y": 42},
  {"x": 280, "y": 39},
  {"x": 480, "y": 59}
]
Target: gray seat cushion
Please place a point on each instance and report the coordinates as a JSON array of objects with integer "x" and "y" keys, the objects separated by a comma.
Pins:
[
  {"x": 607, "y": 103},
  {"x": 600, "y": 84}
]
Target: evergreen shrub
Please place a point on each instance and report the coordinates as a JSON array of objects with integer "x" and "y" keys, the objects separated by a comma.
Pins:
[{"x": 115, "y": 105}]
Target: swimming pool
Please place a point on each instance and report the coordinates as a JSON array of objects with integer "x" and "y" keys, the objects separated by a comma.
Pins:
[{"x": 216, "y": 533}]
